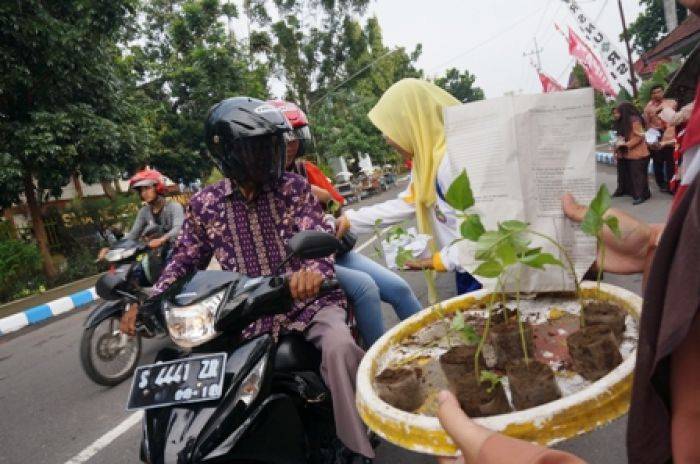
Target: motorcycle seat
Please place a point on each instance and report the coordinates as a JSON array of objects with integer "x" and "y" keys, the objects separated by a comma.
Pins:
[{"x": 295, "y": 354}]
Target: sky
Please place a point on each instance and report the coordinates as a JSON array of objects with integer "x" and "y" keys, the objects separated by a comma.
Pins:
[{"x": 489, "y": 37}]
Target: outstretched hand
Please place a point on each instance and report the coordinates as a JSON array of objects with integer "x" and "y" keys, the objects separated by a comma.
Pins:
[
  {"x": 467, "y": 435},
  {"x": 627, "y": 254}
]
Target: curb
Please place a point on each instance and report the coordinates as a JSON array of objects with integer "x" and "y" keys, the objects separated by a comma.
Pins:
[{"x": 42, "y": 312}]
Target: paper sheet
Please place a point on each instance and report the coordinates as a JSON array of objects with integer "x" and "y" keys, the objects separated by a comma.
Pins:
[{"x": 521, "y": 154}]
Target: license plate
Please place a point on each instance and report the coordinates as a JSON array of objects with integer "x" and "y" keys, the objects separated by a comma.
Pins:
[{"x": 188, "y": 380}]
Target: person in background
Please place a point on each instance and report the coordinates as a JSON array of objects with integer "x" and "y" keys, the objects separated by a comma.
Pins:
[
  {"x": 632, "y": 147},
  {"x": 410, "y": 116},
  {"x": 366, "y": 282},
  {"x": 662, "y": 150},
  {"x": 165, "y": 215},
  {"x": 624, "y": 182}
]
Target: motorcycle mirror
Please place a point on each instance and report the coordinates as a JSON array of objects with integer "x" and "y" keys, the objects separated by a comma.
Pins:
[{"x": 313, "y": 244}]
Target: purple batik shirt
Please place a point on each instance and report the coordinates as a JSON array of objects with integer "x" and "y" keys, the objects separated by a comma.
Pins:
[{"x": 249, "y": 237}]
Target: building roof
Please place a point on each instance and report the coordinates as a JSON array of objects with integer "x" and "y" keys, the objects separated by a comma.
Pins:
[{"x": 687, "y": 34}]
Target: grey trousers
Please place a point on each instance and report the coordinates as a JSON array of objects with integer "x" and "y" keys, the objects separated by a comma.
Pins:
[{"x": 340, "y": 358}]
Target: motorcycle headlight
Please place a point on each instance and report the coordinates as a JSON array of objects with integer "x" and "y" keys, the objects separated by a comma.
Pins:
[
  {"x": 251, "y": 385},
  {"x": 193, "y": 325},
  {"x": 118, "y": 254}
]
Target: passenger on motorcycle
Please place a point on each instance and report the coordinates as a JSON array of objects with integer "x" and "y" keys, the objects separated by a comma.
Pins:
[
  {"x": 246, "y": 220},
  {"x": 165, "y": 215},
  {"x": 366, "y": 282}
]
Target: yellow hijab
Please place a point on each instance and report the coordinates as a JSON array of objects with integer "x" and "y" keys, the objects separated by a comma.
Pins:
[{"x": 410, "y": 114}]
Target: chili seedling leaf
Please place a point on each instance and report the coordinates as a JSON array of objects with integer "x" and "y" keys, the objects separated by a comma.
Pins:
[
  {"x": 513, "y": 225},
  {"x": 602, "y": 200},
  {"x": 459, "y": 195},
  {"x": 489, "y": 268},
  {"x": 505, "y": 253},
  {"x": 539, "y": 260},
  {"x": 472, "y": 228},
  {"x": 614, "y": 226},
  {"x": 592, "y": 223},
  {"x": 492, "y": 378}
]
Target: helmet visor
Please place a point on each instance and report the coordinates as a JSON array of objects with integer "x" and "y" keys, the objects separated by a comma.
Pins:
[{"x": 254, "y": 160}]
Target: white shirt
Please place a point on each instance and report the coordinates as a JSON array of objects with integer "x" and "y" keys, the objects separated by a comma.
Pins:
[{"x": 444, "y": 222}]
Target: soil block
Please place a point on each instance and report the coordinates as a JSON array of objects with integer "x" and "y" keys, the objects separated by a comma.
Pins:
[
  {"x": 606, "y": 314},
  {"x": 531, "y": 384},
  {"x": 481, "y": 399},
  {"x": 400, "y": 388},
  {"x": 594, "y": 351},
  {"x": 505, "y": 339},
  {"x": 458, "y": 363}
]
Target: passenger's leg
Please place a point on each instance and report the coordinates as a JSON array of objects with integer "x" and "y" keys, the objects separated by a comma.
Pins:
[
  {"x": 340, "y": 358},
  {"x": 364, "y": 295},
  {"x": 392, "y": 288}
]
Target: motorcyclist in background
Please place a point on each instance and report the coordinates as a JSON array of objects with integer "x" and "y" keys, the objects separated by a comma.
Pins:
[
  {"x": 366, "y": 282},
  {"x": 165, "y": 216},
  {"x": 245, "y": 221}
]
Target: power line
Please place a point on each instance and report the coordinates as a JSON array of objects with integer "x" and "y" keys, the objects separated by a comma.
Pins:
[
  {"x": 353, "y": 76},
  {"x": 493, "y": 37},
  {"x": 544, "y": 13}
]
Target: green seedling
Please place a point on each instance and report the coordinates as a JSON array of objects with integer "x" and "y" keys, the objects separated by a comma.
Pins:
[
  {"x": 500, "y": 250},
  {"x": 466, "y": 331},
  {"x": 594, "y": 223},
  {"x": 492, "y": 378}
]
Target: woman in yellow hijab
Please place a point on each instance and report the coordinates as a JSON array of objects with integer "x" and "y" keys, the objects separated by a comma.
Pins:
[{"x": 410, "y": 116}]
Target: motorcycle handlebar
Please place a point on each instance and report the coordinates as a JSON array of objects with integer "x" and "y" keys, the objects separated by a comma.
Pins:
[{"x": 329, "y": 285}]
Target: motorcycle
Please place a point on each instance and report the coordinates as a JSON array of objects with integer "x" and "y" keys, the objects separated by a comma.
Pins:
[
  {"x": 107, "y": 355},
  {"x": 220, "y": 399}
]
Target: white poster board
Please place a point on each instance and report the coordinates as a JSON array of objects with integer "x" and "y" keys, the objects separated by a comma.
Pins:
[{"x": 522, "y": 153}]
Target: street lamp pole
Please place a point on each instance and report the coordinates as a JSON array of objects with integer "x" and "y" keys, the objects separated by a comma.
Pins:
[{"x": 633, "y": 78}]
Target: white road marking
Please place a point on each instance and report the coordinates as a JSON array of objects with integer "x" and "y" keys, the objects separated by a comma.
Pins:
[
  {"x": 135, "y": 418},
  {"x": 106, "y": 439},
  {"x": 370, "y": 241}
]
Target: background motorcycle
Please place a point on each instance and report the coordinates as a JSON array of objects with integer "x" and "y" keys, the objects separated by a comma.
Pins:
[
  {"x": 220, "y": 399},
  {"x": 108, "y": 356}
]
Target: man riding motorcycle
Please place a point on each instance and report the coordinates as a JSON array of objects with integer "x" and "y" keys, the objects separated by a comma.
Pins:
[
  {"x": 245, "y": 221},
  {"x": 158, "y": 212}
]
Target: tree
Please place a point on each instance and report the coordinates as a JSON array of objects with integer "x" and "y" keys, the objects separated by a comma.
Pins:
[
  {"x": 646, "y": 31},
  {"x": 60, "y": 97},
  {"x": 460, "y": 85},
  {"x": 188, "y": 62}
]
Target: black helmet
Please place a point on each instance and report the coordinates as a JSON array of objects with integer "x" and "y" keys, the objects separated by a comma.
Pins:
[{"x": 247, "y": 139}]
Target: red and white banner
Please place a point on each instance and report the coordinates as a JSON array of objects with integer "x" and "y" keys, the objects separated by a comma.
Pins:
[
  {"x": 595, "y": 71},
  {"x": 549, "y": 84},
  {"x": 617, "y": 67}
]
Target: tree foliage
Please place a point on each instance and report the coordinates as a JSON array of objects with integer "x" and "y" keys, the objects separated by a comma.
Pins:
[
  {"x": 650, "y": 26},
  {"x": 60, "y": 106},
  {"x": 460, "y": 85}
]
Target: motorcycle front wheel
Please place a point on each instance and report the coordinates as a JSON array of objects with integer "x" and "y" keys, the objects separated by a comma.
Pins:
[{"x": 108, "y": 356}]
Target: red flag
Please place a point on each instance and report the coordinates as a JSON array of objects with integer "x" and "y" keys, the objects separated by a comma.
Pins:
[
  {"x": 590, "y": 62},
  {"x": 549, "y": 84}
]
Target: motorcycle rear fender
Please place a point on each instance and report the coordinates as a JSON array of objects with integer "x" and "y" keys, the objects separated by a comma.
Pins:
[
  {"x": 104, "y": 310},
  {"x": 189, "y": 432}
]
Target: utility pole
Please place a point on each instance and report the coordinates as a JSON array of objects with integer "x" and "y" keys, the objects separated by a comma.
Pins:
[
  {"x": 633, "y": 78},
  {"x": 670, "y": 14},
  {"x": 535, "y": 52}
]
